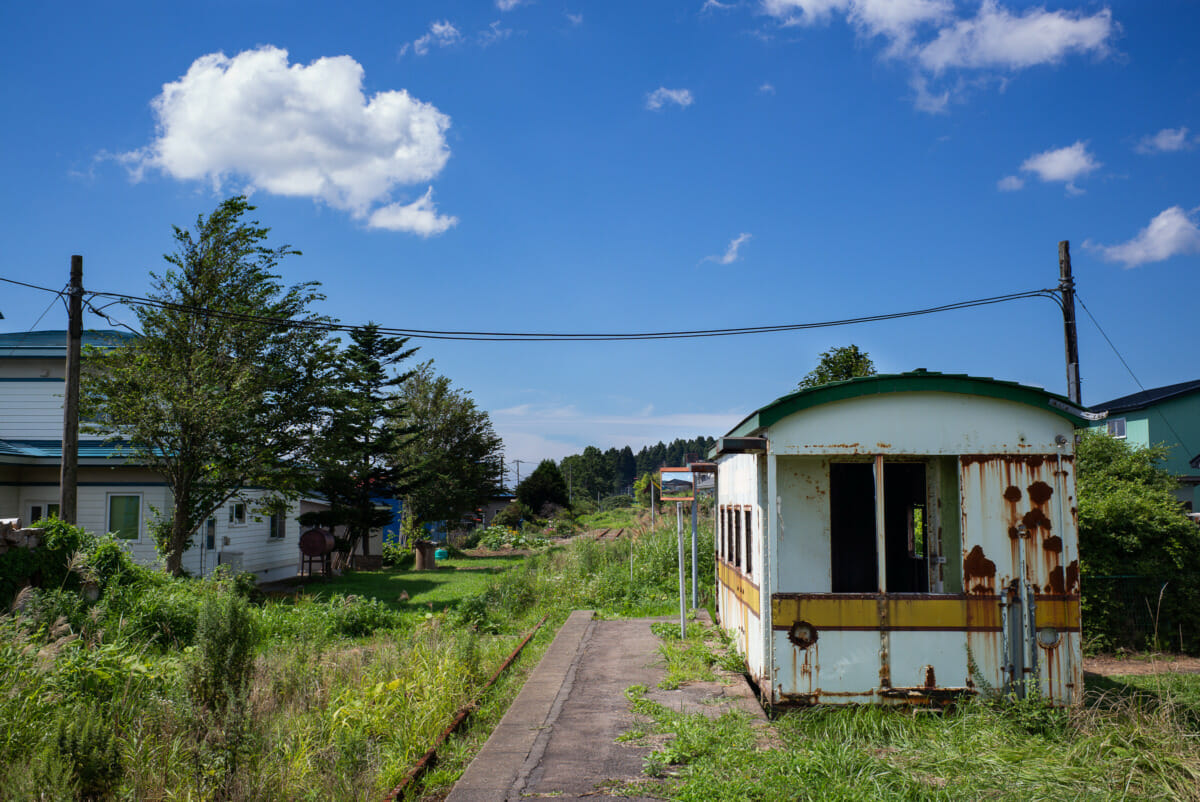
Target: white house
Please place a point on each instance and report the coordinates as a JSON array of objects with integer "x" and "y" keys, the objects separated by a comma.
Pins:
[{"x": 115, "y": 494}]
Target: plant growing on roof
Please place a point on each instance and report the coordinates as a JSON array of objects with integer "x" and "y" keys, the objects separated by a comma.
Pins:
[
  {"x": 221, "y": 390},
  {"x": 838, "y": 364}
]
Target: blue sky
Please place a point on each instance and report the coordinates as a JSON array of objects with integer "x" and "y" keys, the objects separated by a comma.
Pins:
[{"x": 611, "y": 166}]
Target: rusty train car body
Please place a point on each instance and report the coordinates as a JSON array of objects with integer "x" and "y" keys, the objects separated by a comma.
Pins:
[{"x": 902, "y": 539}]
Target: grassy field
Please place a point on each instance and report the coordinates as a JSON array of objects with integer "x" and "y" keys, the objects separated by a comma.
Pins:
[{"x": 436, "y": 591}]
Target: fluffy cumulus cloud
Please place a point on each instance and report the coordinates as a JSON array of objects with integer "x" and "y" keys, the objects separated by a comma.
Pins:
[
  {"x": 662, "y": 96},
  {"x": 1173, "y": 232},
  {"x": 1168, "y": 140},
  {"x": 731, "y": 253},
  {"x": 418, "y": 217},
  {"x": 1010, "y": 183},
  {"x": 263, "y": 124},
  {"x": 934, "y": 39}
]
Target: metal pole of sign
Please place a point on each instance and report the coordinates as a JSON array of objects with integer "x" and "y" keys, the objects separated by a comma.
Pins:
[
  {"x": 695, "y": 504},
  {"x": 682, "y": 581}
]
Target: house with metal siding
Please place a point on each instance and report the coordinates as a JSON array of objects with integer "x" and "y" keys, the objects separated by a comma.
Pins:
[
  {"x": 1169, "y": 415},
  {"x": 901, "y": 539},
  {"x": 116, "y": 494}
]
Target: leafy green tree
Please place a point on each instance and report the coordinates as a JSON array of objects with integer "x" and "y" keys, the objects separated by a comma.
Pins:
[
  {"x": 544, "y": 486},
  {"x": 624, "y": 470},
  {"x": 1131, "y": 525},
  {"x": 220, "y": 391},
  {"x": 590, "y": 473},
  {"x": 456, "y": 449},
  {"x": 838, "y": 364},
  {"x": 364, "y": 427}
]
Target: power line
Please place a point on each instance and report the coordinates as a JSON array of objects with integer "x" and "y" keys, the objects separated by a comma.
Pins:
[
  {"x": 325, "y": 324},
  {"x": 57, "y": 294}
]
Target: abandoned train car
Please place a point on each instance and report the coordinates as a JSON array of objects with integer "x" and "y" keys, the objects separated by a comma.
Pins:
[{"x": 902, "y": 539}]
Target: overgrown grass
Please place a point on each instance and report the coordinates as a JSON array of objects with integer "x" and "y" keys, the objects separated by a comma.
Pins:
[
  {"x": 1135, "y": 738},
  {"x": 350, "y": 683}
]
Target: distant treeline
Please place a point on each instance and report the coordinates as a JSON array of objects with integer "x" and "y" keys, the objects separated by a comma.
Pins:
[{"x": 612, "y": 472}]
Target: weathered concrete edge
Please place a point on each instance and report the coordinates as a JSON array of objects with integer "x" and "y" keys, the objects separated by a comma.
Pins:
[{"x": 496, "y": 769}]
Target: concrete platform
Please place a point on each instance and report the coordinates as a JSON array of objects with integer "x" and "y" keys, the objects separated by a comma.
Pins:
[{"x": 558, "y": 739}]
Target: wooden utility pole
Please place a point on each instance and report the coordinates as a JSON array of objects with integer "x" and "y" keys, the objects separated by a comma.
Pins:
[
  {"x": 68, "y": 480},
  {"x": 1066, "y": 286}
]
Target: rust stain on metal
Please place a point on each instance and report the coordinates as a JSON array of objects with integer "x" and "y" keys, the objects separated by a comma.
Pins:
[
  {"x": 1073, "y": 577},
  {"x": 1040, "y": 492},
  {"x": 1032, "y": 460},
  {"x": 1013, "y": 493},
  {"x": 1052, "y": 543},
  {"x": 802, "y": 634},
  {"x": 883, "y": 445},
  {"x": 978, "y": 567},
  {"x": 1035, "y": 519},
  {"x": 930, "y": 678},
  {"x": 1058, "y": 582}
]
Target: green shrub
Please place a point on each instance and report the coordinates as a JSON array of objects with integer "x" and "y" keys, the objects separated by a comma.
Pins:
[
  {"x": 398, "y": 556},
  {"x": 221, "y": 666},
  {"x": 87, "y": 743},
  {"x": 47, "y": 566},
  {"x": 355, "y": 617},
  {"x": 165, "y": 614},
  {"x": 512, "y": 515}
]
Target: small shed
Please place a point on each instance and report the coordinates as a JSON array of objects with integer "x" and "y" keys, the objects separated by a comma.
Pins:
[{"x": 902, "y": 539}]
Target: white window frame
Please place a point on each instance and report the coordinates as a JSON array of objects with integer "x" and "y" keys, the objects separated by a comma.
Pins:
[
  {"x": 141, "y": 515},
  {"x": 234, "y": 520},
  {"x": 45, "y": 504},
  {"x": 1110, "y": 428}
]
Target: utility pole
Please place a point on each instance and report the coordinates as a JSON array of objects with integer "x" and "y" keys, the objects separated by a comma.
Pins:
[
  {"x": 69, "y": 478},
  {"x": 1066, "y": 286},
  {"x": 518, "y": 462}
]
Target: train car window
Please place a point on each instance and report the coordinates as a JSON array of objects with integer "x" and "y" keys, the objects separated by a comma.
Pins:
[
  {"x": 749, "y": 529},
  {"x": 904, "y": 496},
  {"x": 737, "y": 539}
]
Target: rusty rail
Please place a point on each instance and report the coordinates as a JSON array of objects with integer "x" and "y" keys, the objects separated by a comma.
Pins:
[{"x": 428, "y": 760}]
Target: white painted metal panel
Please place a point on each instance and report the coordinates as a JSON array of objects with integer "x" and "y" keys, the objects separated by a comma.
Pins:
[
  {"x": 919, "y": 423},
  {"x": 803, "y": 546},
  {"x": 916, "y": 658}
]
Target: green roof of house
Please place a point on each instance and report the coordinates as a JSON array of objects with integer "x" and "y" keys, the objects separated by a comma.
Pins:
[
  {"x": 52, "y": 449},
  {"x": 53, "y": 343},
  {"x": 918, "y": 381}
]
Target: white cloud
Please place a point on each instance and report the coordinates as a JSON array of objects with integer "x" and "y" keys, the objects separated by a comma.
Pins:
[
  {"x": 1168, "y": 140},
  {"x": 995, "y": 38},
  {"x": 508, "y": 5},
  {"x": 731, "y": 253},
  {"x": 1010, "y": 183},
  {"x": 574, "y": 19},
  {"x": 441, "y": 34},
  {"x": 418, "y": 217},
  {"x": 1063, "y": 164},
  {"x": 766, "y": 89},
  {"x": 933, "y": 39},
  {"x": 494, "y": 33},
  {"x": 1173, "y": 232},
  {"x": 716, "y": 5},
  {"x": 660, "y": 97},
  {"x": 293, "y": 130}
]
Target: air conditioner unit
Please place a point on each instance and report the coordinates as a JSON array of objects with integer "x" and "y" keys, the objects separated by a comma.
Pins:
[{"x": 231, "y": 558}]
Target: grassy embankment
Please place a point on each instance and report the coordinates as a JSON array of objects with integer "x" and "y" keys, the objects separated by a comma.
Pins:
[{"x": 347, "y": 683}]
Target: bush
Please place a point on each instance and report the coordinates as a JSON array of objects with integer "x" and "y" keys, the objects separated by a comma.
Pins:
[
  {"x": 165, "y": 614},
  {"x": 512, "y": 515},
  {"x": 398, "y": 556},
  {"x": 87, "y": 744},
  {"x": 219, "y": 670},
  {"x": 50, "y": 565},
  {"x": 355, "y": 617}
]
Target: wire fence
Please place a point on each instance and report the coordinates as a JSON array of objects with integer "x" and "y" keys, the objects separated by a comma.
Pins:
[{"x": 1134, "y": 612}]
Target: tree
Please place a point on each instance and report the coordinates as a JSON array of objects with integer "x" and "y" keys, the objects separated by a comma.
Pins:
[
  {"x": 363, "y": 428},
  {"x": 625, "y": 470},
  {"x": 458, "y": 453},
  {"x": 220, "y": 391},
  {"x": 838, "y": 364},
  {"x": 1131, "y": 525},
  {"x": 544, "y": 486}
]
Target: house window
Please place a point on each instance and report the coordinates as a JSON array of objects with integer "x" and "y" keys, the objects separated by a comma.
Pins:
[
  {"x": 237, "y": 513},
  {"x": 125, "y": 516},
  {"x": 737, "y": 540},
  {"x": 278, "y": 525},
  {"x": 1116, "y": 428},
  {"x": 42, "y": 509},
  {"x": 210, "y": 534}
]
